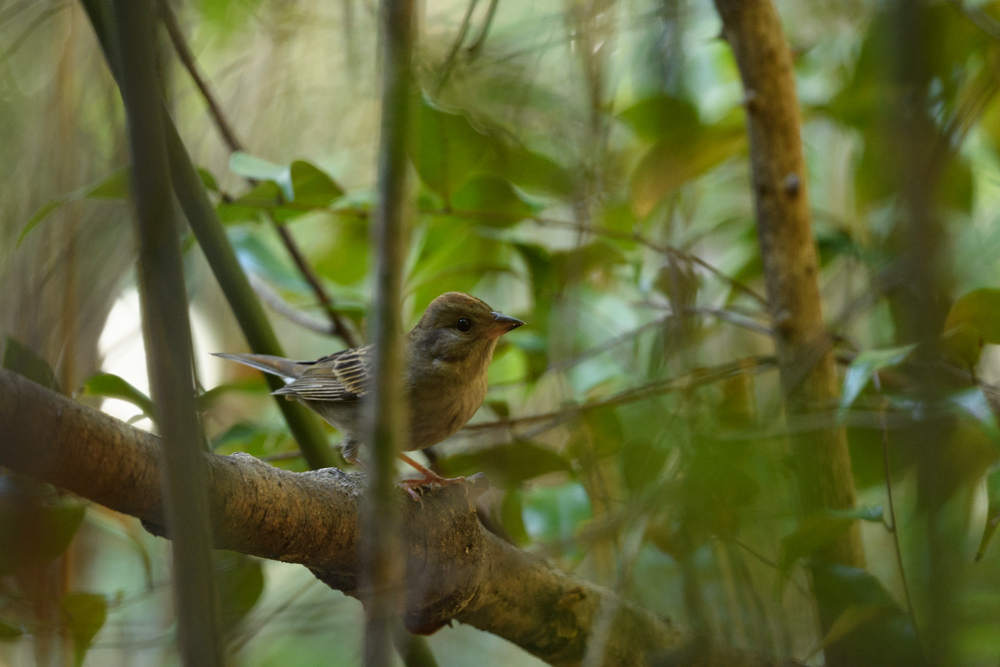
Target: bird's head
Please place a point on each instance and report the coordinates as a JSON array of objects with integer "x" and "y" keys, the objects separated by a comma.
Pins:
[{"x": 457, "y": 327}]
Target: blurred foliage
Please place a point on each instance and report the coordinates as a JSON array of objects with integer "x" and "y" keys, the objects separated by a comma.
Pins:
[{"x": 582, "y": 167}]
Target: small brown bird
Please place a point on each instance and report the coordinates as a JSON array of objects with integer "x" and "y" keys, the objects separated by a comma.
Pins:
[{"x": 445, "y": 360}]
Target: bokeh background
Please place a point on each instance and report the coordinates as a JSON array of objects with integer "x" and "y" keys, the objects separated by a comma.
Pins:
[{"x": 581, "y": 165}]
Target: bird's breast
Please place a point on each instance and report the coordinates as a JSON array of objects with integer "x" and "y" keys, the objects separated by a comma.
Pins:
[{"x": 439, "y": 408}]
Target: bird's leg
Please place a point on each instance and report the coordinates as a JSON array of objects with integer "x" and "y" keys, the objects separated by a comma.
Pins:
[{"x": 429, "y": 476}]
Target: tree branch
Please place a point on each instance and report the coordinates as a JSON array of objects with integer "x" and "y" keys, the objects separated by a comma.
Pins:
[
  {"x": 455, "y": 570},
  {"x": 804, "y": 349}
]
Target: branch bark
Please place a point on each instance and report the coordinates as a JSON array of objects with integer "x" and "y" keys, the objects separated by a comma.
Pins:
[
  {"x": 804, "y": 349},
  {"x": 455, "y": 570}
]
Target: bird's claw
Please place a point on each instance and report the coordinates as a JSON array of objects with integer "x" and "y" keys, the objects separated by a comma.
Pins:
[{"x": 411, "y": 485}]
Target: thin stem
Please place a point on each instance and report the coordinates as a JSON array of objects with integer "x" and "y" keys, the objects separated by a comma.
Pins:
[
  {"x": 884, "y": 428},
  {"x": 385, "y": 410},
  {"x": 167, "y": 333},
  {"x": 268, "y": 295},
  {"x": 477, "y": 44},
  {"x": 449, "y": 61},
  {"x": 336, "y": 321},
  {"x": 634, "y": 236}
]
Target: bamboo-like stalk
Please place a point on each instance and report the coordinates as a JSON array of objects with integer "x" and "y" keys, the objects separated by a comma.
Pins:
[
  {"x": 168, "y": 342},
  {"x": 386, "y": 422}
]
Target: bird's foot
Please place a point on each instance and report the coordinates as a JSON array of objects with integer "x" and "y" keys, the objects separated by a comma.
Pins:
[{"x": 429, "y": 478}]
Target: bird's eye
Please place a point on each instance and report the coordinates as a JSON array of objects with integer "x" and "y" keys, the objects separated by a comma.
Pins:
[{"x": 464, "y": 325}]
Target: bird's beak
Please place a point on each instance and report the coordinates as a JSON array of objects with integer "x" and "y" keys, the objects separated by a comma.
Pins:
[{"x": 503, "y": 323}]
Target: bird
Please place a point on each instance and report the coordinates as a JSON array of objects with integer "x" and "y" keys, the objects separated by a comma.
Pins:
[{"x": 445, "y": 361}]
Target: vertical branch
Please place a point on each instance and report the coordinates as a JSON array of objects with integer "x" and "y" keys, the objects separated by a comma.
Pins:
[
  {"x": 382, "y": 592},
  {"x": 808, "y": 377},
  {"x": 918, "y": 296},
  {"x": 168, "y": 339}
]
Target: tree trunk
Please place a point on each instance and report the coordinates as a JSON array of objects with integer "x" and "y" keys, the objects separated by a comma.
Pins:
[{"x": 804, "y": 349}]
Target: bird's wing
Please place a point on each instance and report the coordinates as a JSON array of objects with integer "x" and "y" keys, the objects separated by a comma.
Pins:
[
  {"x": 286, "y": 368},
  {"x": 338, "y": 377}
]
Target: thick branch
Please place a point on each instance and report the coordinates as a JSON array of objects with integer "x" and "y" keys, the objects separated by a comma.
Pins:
[
  {"x": 804, "y": 349},
  {"x": 455, "y": 569}
]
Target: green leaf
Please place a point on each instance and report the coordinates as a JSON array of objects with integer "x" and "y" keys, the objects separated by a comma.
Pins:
[
  {"x": 974, "y": 319},
  {"x": 555, "y": 512},
  {"x": 980, "y": 309},
  {"x": 113, "y": 186},
  {"x": 258, "y": 169},
  {"x": 955, "y": 187},
  {"x": 258, "y": 257},
  {"x": 31, "y": 534},
  {"x": 511, "y": 516},
  {"x": 678, "y": 158},
  {"x": 493, "y": 201},
  {"x": 85, "y": 615},
  {"x": 250, "y": 437},
  {"x": 43, "y": 212},
  {"x": 444, "y": 147},
  {"x": 9, "y": 632},
  {"x": 208, "y": 179},
  {"x": 109, "y": 385},
  {"x": 854, "y": 617},
  {"x": 345, "y": 259},
  {"x": 661, "y": 115},
  {"x": 311, "y": 187},
  {"x": 992, "y": 509},
  {"x": 285, "y": 191},
  {"x": 813, "y": 533},
  {"x": 534, "y": 172},
  {"x": 864, "y": 366},
  {"x": 509, "y": 463},
  {"x": 241, "y": 583},
  {"x": 973, "y": 403},
  {"x": 208, "y": 399},
  {"x": 23, "y": 361},
  {"x": 885, "y": 638}
]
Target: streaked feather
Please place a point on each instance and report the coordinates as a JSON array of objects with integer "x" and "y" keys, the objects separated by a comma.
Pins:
[{"x": 338, "y": 377}]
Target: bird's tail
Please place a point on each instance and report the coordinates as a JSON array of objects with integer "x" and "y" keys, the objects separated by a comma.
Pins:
[{"x": 286, "y": 368}]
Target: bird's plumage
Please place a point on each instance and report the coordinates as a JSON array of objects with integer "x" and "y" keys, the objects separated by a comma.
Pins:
[{"x": 446, "y": 356}]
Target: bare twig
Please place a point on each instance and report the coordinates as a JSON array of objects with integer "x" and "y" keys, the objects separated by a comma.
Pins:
[
  {"x": 188, "y": 60},
  {"x": 268, "y": 295},
  {"x": 697, "y": 378},
  {"x": 449, "y": 61},
  {"x": 477, "y": 44},
  {"x": 893, "y": 526}
]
